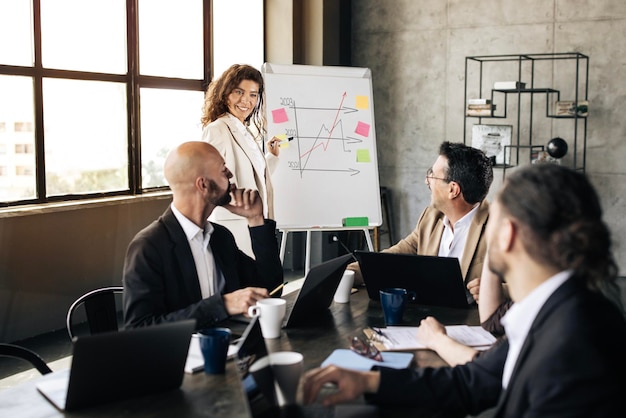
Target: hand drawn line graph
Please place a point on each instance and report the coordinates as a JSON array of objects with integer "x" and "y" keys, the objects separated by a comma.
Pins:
[{"x": 321, "y": 140}]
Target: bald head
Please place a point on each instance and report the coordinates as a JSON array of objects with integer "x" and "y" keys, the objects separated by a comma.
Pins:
[{"x": 188, "y": 161}]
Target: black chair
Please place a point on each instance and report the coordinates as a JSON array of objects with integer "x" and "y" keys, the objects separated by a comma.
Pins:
[
  {"x": 100, "y": 309},
  {"x": 16, "y": 351}
]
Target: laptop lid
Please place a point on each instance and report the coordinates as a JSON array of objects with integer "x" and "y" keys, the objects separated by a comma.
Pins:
[
  {"x": 437, "y": 281},
  {"x": 317, "y": 291},
  {"x": 119, "y": 365}
]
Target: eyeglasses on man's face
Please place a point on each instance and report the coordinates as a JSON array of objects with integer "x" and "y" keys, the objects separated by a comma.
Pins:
[{"x": 429, "y": 176}]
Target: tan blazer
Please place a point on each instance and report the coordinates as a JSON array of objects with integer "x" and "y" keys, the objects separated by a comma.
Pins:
[
  {"x": 426, "y": 238},
  {"x": 224, "y": 136}
]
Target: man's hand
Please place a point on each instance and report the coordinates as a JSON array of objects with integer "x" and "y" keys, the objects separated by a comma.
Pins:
[
  {"x": 247, "y": 203},
  {"x": 240, "y": 300},
  {"x": 430, "y": 332},
  {"x": 350, "y": 384},
  {"x": 474, "y": 287}
]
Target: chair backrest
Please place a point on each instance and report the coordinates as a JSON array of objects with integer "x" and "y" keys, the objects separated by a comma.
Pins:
[
  {"x": 16, "y": 351},
  {"x": 100, "y": 309}
]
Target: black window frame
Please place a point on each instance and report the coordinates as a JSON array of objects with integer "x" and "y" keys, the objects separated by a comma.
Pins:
[{"x": 133, "y": 80}]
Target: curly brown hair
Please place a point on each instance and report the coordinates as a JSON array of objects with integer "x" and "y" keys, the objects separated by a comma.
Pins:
[{"x": 216, "y": 97}]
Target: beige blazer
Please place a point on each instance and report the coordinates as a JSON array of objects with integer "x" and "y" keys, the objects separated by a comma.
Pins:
[
  {"x": 224, "y": 136},
  {"x": 426, "y": 238}
]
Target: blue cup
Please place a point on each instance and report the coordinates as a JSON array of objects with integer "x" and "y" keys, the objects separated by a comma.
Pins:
[
  {"x": 214, "y": 344},
  {"x": 393, "y": 301}
]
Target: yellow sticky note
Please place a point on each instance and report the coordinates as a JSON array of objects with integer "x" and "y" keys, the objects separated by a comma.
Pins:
[
  {"x": 282, "y": 137},
  {"x": 362, "y": 102},
  {"x": 363, "y": 156}
]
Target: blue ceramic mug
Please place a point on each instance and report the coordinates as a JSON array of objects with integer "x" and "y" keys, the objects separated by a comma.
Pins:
[
  {"x": 214, "y": 344},
  {"x": 393, "y": 300}
]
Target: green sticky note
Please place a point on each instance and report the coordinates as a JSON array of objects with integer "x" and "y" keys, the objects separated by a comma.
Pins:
[
  {"x": 356, "y": 221},
  {"x": 363, "y": 156}
]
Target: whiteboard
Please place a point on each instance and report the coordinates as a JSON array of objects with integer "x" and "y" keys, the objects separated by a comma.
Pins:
[{"x": 329, "y": 170}]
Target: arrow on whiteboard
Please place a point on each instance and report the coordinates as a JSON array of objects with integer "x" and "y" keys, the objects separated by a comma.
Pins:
[
  {"x": 353, "y": 171},
  {"x": 343, "y": 108}
]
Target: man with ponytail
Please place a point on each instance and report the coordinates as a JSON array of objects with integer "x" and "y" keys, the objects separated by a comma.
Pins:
[{"x": 564, "y": 353}]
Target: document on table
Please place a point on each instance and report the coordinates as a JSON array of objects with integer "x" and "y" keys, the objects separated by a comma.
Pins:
[{"x": 405, "y": 338}]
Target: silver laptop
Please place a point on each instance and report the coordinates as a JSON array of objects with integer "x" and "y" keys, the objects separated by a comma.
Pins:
[
  {"x": 263, "y": 402},
  {"x": 119, "y": 365}
]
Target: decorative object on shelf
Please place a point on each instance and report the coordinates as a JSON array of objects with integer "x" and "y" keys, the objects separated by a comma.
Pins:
[
  {"x": 492, "y": 139},
  {"x": 569, "y": 108},
  {"x": 557, "y": 147},
  {"x": 543, "y": 157}
]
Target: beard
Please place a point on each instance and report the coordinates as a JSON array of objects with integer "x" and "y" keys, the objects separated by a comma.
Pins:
[{"x": 223, "y": 199}]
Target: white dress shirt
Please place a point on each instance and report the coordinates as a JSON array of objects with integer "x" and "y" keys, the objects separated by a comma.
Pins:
[
  {"x": 453, "y": 240},
  {"x": 209, "y": 275},
  {"x": 520, "y": 317}
]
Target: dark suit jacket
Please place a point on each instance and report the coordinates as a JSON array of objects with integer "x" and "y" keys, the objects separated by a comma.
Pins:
[
  {"x": 160, "y": 278},
  {"x": 573, "y": 363}
]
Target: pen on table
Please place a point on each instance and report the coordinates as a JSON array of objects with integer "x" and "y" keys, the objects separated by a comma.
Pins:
[
  {"x": 273, "y": 292},
  {"x": 380, "y": 335},
  {"x": 378, "y": 331}
]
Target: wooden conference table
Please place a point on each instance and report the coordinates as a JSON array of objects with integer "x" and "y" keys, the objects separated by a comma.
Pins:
[{"x": 204, "y": 395}]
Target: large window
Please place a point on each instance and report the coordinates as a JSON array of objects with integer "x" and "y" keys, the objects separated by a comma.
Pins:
[{"x": 95, "y": 93}]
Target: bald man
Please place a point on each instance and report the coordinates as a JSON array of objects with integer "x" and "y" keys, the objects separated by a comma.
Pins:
[{"x": 182, "y": 266}]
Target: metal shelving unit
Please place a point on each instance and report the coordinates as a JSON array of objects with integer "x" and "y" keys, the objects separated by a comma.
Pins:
[{"x": 517, "y": 106}]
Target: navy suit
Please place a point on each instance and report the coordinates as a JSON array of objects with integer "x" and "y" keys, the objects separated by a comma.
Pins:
[
  {"x": 160, "y": 279},
  {"x": 573, "y": 363}
]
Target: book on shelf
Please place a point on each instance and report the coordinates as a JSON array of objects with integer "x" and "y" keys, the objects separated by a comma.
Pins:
[
  {"x": 481, "y": 106},
  {"x": 570, "y": 108},
  {"x": 478, "y": 101},
  {"x": 509, "y": 85},
  {"x": 479, "y": 112},
  {"x": 480, "y": 109}
]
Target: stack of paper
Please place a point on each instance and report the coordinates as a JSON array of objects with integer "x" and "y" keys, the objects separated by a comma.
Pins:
[{"x": 405, "y": 338}]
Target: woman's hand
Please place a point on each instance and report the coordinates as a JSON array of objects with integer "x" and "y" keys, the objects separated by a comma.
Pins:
[{"x": 273, "y": 145}]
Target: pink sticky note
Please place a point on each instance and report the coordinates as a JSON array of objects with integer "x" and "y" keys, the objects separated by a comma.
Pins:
[
  {"x": 363, "y": 129},
  {"x": 279, "y": 115}
]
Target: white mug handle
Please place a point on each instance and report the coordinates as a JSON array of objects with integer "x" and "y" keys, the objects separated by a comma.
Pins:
[{"x": 254, "y": 311}]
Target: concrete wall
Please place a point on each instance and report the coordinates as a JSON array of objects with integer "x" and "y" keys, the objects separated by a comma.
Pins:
[
  {"x": 416, "y": 50},
  {"x": 52, "y": 256}
]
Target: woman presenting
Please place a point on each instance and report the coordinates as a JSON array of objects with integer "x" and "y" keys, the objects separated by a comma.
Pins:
[{"x": 233, "y": 122}]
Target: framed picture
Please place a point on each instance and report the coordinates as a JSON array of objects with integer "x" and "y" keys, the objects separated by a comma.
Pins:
[{"x": 491, "y": 139}]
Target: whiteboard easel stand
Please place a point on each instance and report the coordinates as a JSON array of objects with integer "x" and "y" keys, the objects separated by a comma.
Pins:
[{"x": 307, "y": 248}]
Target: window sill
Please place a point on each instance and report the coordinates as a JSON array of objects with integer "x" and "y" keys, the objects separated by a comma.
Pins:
[{"x": 81, "y": 204}]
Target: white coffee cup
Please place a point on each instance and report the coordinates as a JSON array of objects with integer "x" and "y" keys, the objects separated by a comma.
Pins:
[
  {"x": 286, "y": 368},
  {"x": 344, "y": 290},
  {"x": 271, "y": 313}
]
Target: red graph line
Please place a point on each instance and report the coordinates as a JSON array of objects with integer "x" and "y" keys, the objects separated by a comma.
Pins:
[{"x": 332, "y": 128}]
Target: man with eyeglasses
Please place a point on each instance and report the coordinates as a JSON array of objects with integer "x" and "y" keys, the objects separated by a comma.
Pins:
[{"x": 453, "y": 224}]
